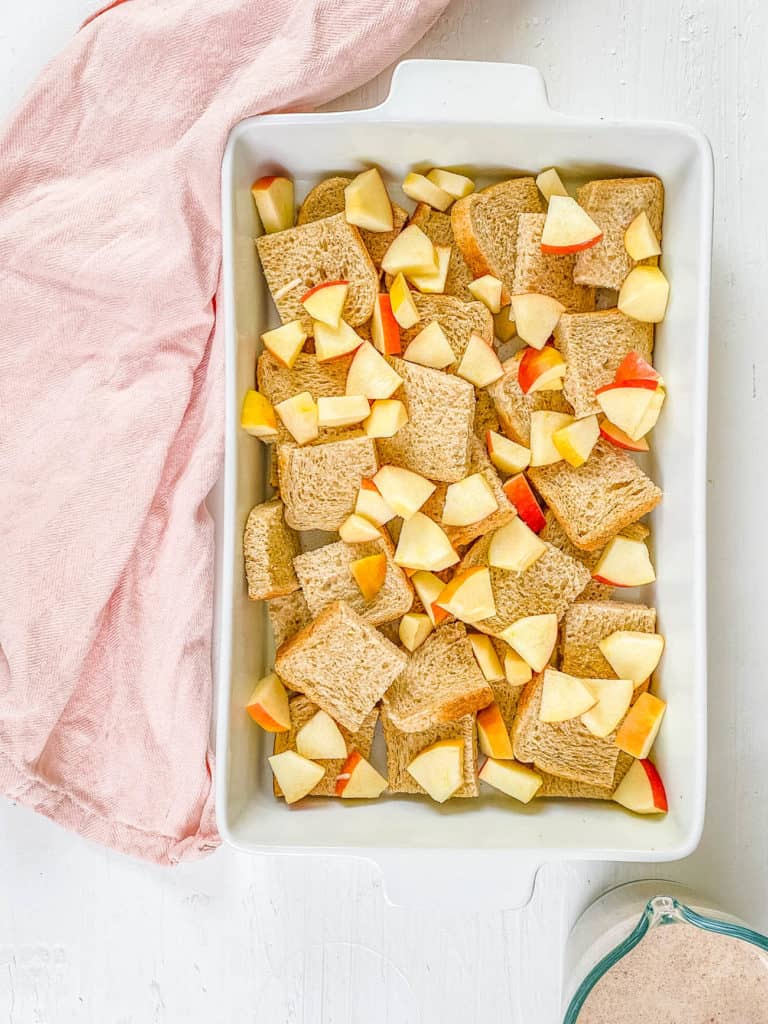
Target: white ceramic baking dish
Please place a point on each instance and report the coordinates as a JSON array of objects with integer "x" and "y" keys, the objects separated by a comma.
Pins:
[{"x": 494, "y": 121}]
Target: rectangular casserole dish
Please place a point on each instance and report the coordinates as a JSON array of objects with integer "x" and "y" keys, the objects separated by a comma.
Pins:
[{"x": 491, "y": 121}]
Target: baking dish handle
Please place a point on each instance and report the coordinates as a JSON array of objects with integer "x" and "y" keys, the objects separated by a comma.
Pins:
[{"x": 436, "y": 90}]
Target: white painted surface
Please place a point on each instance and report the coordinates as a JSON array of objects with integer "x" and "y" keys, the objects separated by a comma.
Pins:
[{"x": 88, "y": 936}]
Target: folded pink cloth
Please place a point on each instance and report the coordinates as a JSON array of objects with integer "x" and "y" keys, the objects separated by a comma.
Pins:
[{"x": 111, "y": 392}]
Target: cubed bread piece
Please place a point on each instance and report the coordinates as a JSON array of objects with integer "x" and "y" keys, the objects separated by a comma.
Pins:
[
  {"x": 325, "y": 250},
  {"x": 545, "y": 273},
  {"x": 403, "y": 747},
  {"x": 441, "y": 682},
  {"x": 319, "y": 483},
  {"x": 342, "y": 663},
  {"x": 288, "y": 615},
  {"x": 437, "y": 226},
  {"x": 514, "y": 408},
  {"x": 505, "y": 694},
  {"x": 596, "y": 501},
  {"x": 324, "y": 380},
  {"x": 269, "y": 546},
  {"x": 435, "y": 441},
  {"x": 613, "y": 204},
  {"x": 486, "y": 417},
  {"x": 593, "y": 346},
  {"x": 556, "y": 786},
  {"x": 459, "y": 321},
  {"x": 302, "y": 710},
  {"x": 325, "y": 576},
  {"x": 567, "y": 749},
  {"x": 586, "y": 624},
  {"x": 553, "y": 533},
  {"x": 485, "y": 227}
]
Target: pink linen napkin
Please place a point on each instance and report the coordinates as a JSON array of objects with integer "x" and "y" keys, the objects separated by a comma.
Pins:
[{"x": 111, "y": 392}]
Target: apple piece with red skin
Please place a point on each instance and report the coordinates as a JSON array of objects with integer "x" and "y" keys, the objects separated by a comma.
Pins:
[
  {"x": 631, "y": 407},
  {"x": 385, "y": 331},
  {"x": 386, "y": 417},
  {"x": 539, "y": 369},
  {"x": 568, "y": 227},
  {"x": 422, "y": 544},
  {"x": 439, "y": 769},
  {"x": 479, "y": 365},
  {"x": 359, "y": 780},
  {"x": 486, "y": 657},
  {"x": 536, "y": 317},
  {"x": 371, "y": 504},
  {"x": 620, "y": 438},
  {"x": 299, "y": 416},
  {"x": 403, "y": 490},
  {"x": 268, "y": 704},
  {"x": 369, "y": 573},
  {"x": 469, "y": 501},
  {"x": 492, "y": 733},
  {"x": 511, "y": 778},
  {"x": 273, "y": 196},
  {"x": 297, "y": 776},
  {"x": 321, "y": 738},
  {"x": 633, "y": 368},
  {"x": 325, "y": 302},
  {"x": 257, "y": 417},
  {"x": 519, "y": 492},
  {"x": 285, "y": 342},
  {"x": 371, "y": 375},
  {"x": 469, "y": 595},
  {"x": 429, "y": 587},
  {"x": 506, "y": 455},
  {"x": 624, "y": 563},
  {"x": 414, "y": 629},
  {"x": 366, "y": 203},
  {"x": 356, "y": 529},
  {"x": 640, "y": 728},
  {"x": 641, "y": 790}
]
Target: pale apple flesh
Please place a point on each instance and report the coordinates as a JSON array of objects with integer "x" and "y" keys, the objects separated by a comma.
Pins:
[
  {"x": 576, "y": 441},
  {"x": 403, "y": 305},
  {"x": 632, "y": 654},
  {"x": 371, "y": 375},
  {"x": 613, "y": 699},
  {"x": 492, "y": 734},
  {"x": 469, "y": 501},
  {"x": 480, "y": 365},
  {"x": 257, "y": 416},
  {"x": 640, "y": 239},
  {"x": 429, "y": 587},
  {"x": 639, "y": 729},
  {"x": 371, "y": 505},
  {"x": 517, "y": 671},
  {"x": 515, "y": 547},
  {"x": 644, "y": 295},
  {"x": 541, "y": 369},
  {"x": 536, "y": 317},
  {"x": 385, "y": 330},
  {"x": 433, "y": 283},
  {"x": 507, "y": 456},
  {"x": 487, "y": 289},
  {"x": 334, "y": 342},
  {"x": 621, "y": 438},
  {"x": 469, "y": 595},
  {"x": 359, "y": 780},
  {"x": 568, "y": 228},
  {"x": 550, "y": 184},
  {"x": 624, "y": 563},
  {"x": 634, "y": 409},
  {"x": 320, "y": 738},
  {"x": 299, "y": 416},
  {"x": 386, "y": 417},
  {"x": 369, "y": 573},
  {"x": 268, "y": 704},
  {"x": 414, "y": 629},
  {"x": 439, "y": 769},
  {"x": 641, "y": 790},
  {"x": 403, "y": 490},
  {"x": 422, "y": 544},
  {"x": 297, "y": 776},
  {"x": 511, "y": 778},
  {"x": 325, "y": 302},
  {"x": 544, "y": 425},
  {"x": 519, "y": 493},
  {"x": 563, "y": 697},
  {"x": 486, "y": 657},
  {"x": 411, "y": 252},
  {"x": 430, "y": 348},
  {"x": 342, "y": 411},
  {"x": 456, "y": 185},
  {"x": 273, "y": 196},
  {"x": 533, "y": 637},
  {"x": 422, "y": 190},
  {"x": 356, "y": 529},
  {"x": 285, "y": 342},
  {"x": 366, "y": 203}
]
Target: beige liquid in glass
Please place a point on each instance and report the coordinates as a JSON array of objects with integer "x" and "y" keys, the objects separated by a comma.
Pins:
[{"x": 680, "y": 974}]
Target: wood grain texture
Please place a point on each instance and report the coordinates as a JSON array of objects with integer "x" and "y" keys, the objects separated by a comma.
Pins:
[{"x": 88, "y": 936}]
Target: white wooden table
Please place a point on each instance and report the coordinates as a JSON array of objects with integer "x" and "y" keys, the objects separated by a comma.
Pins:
[{"x": 89, "y": 936}]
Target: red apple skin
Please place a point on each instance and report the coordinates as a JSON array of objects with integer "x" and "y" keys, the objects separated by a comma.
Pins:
[
  {"x": 519, "y": 492},
  {"x": 646, "y": 385},
  {"x": 534, "y": 362},
  {"x": 390, "y": 326},
  {"x": 611, "y": 583},
  {"x": 617, "y": 436},
  {"x": 657, "y": 786},
  {"x": 565, "y": 250},
  {"x": 263, "y": 183},
  {"x": 633, "y": 369},
  {"x": 319, "y": 287},
  {"x": 346, "y": 771}
]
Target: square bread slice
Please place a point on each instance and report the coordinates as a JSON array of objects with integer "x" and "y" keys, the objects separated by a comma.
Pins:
[
  {"x": 478, "y": 463},
  {"x": 549, "y": 586},
  {"x": 325, "y": 576},
  {"x": 327, "y": 199},
  {"x": 441, "y": 682},
  {"x": 567, "y": 749},
  {"x": 324, "y": 380},
  {"x": 556, "y": 786},
  {"x": 459, "y": 321},
  {"x": 485, "y": 227},
  {"x": 486, "y": 417},
  {"x": 437, "y": 226},
  {"x": 586, "y": 624},
  {"x": 593, "y": 345},
  {"x": 319, "y": 483},
  {"x": 301, "y": 711},
  {"x": 342, "y": 663},
  {"x": 505, "y": 694},
  {"x": 596, "y": 501},
  {"x": 437, "y": 437},
  {"x": 325, "y": 250},
  {"x": 269, "y": 546},
  {"x": 287, "y": 615},
  {"x": 402, "y": 747},
  {"x": 613, "y": 204},
  {"x": 514, "y": 408},
  {"x": 544, "y": 273}
]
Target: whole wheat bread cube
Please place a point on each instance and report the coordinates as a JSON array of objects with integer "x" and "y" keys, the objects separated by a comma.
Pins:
[
  {"x": 440, "y": 683},
  {"x": 486, "y": 417},
  {"x": 593, "y": 345},
  {"x": 302, "y": 710},
  {"x": 327, "y": 199},
  {"x": 596, "y": 501},
  {"x": 478, "y": 463},
  {"x": 437, "y": 437},
  {"x": 545, "y": 273},
  {"x": 325, "y": 250},
  {"x": 586, "y": 624},
  {"x": 325, "y": 576},
  {"x": 269, "y": 546},
  {"x": 556, "y": 786},
  {"x": 342, "y": 663},
  {"x": 437, "y": 226},
  {"x": 485, "y": 228},
  {"x": 505, "y": 694},
  {"x": 403, "y": 747},
  {"x": 613, "y": 204},
  {"x": 459, "y": 321},
  {"x": 547, "y": 587},
  {"x": 567, "y": 749},
  {"x": 319, "y": 483},
  {"x": 514, "y": 408},
  {"x": 326, "y": 380},
  {"x": 287, "y": 616},
  {"x": 553, "y": 533}
]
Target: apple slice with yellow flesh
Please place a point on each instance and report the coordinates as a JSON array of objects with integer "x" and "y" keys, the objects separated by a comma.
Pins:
[
  {"x": 422, "y": 190},
  {"x": 411, "y": 252},
  {"x": 568, "y": 227},
  {"x": 359, "y": 780},
  {"x": 515, "y": 547},
  {"x": 469, "y": 595},
  {"x": 268, "y": 704},
  {"x": 504, "y": 327},
  {"x": 429, "y": 587},
  {"x": 334, "y": 342},
  {"x": 371, "y": 375},
  {"x": 624, "y": 563},
  {"x": 299, "y": 416},
  {"x": 507, "y": 456},
  {"x": 564, "y": 697},
  {"x": 541, "y": 369},
  {"x": 641, "y": 790},
  {"x": 644, "y": 295},
  {"x": 320, "y": 738},
  {"x": 297, "y": 776},
  {"x": 517, "y": 671},
  {"x": 439, "y": 769},
  {"x": 544, "y": 425},
  {"x": 518, "y": 491},
  {"x": 431, "y": 348},
  {"x": 486, "y": 657},
  {"x": 423, "y": 545},
  {"x": 414, "y": 629},
  {"x": 385, "y": 331},
  {"x": 366, "y": 203},
  {"x": 634, "y": 409},
  {"x": 534, "y": 638},
  {"x": 371, "y": 505},
  {"x": 456, "y": 185},
  {"x": 342, "y": 410},
  {"x": 639, "y": 729},
  {"x": 511, "y": 778},
  {"x": 621, "y": 438},
  {"x": 479, "y": 365},
  {"x": 273, "y": 196},
  {"x": 651, "y": 415},
  {"x": 286, "y": 342},
  {"x": 433, "y": 283},
  {"x": 613, "y": 699},
  {"x": 640, "y": 239},
  {"x": 469, "y": 501},
  {"x": 325, "y": 301},
  {"x": 632, "y": 654},
  {"x": 356, "y": 529},
  {"x": 403, "y": 305},
  {"x": 487, "y": 289},
  {"x": 257, "y": 416},
  {"x": 536, "y": 316},
  {"x": 550, "y": 184},
  {"x": 576, "y": 441},
  {"x": 403, "y": 490},
  {"x": 386, "y": 417},
  {"x": 492, "y": 734},
  {"x": 369, "y": 574}
]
